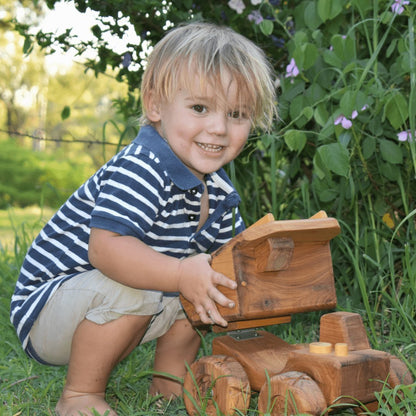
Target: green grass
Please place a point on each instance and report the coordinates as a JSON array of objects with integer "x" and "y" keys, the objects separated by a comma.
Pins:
[
  {"x": 28, "y": 388},
  {"x": 15, "y": 221}
]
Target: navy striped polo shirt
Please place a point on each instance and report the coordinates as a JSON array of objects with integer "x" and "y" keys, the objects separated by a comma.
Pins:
[{"x": 144, "y": 191}]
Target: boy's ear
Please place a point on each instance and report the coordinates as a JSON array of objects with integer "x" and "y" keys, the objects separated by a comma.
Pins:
[{"x": 153, "y": 108}]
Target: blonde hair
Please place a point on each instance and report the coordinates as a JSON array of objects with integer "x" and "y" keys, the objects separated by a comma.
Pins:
[{"x": 208, "y": 51}]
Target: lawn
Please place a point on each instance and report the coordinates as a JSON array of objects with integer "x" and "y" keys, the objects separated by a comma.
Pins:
[
  {"x": 16, "y": 221},
  {"x": 28, "y": 388}
]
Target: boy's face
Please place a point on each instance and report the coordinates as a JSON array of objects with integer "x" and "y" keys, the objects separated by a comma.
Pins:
[{"x": 202, "y": 130}]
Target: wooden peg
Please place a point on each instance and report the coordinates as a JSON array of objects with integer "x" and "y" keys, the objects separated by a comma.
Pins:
[
  {"x": 274, "y": 254},
  {"x": 320, "y": 347},
  {"x": 341, "y": 349}
]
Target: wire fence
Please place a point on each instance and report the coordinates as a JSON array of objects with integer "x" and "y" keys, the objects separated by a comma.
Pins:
[{"x": 60, "y": 140}]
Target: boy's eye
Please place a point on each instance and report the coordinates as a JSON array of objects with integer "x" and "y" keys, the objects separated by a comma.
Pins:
[
  {"x": 199, "y": 108},
  {"x": 237, "y": 114}
]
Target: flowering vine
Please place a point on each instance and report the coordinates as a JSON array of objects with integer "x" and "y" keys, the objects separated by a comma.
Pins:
[
  {"x": 237, "y": 5},
  {"x": 406, "y": 135},
  {"x": 397, "y": 6},
  {"x": 344, "y": 121},
  {"x": 292, "y": 70}
]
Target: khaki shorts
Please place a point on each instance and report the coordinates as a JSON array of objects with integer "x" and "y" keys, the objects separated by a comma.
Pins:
[{"x": 93, "y": 296}]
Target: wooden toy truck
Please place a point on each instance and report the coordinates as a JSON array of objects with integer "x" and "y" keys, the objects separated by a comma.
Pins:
[{"x": 282, "y": 268}]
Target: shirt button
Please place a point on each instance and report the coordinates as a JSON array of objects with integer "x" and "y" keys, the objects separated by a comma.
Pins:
[
  {"x": 191, "y": 217},
  {"x": 194, "y": 191}
]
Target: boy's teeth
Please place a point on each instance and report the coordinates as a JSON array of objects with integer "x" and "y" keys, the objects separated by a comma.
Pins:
[{"x": 210, "y": 147}]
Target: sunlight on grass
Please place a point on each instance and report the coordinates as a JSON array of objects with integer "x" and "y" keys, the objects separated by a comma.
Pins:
[{"x": 33, "y": 217}]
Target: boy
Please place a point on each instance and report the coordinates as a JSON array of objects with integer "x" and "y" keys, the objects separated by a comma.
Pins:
[{"x": 104, "y": 274}]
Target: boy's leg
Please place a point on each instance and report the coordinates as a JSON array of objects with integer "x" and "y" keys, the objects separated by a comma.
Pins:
[
  {"x": 95, "y": 350},
  {"x": 90, "y": 323},
  {"x": 177, "y": 346}
]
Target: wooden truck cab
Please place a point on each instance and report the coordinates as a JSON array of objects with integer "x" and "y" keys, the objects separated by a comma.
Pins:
[{"x": 281, "y": 268}]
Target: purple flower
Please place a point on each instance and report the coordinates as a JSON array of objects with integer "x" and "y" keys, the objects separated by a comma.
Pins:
[
  {"x": 278, "y": 42},
  {"x": 406, "y": 135},
  {"x": 255, "y": 16},
  {"x": 290, "y": 26},
  {"x": 345, "y": 123},
  {"x": 292, "y": 70},
  {"x": 237, "y": 5},
  {"x": 397, "y": 6},
  {"x": 127, "y": 58}
]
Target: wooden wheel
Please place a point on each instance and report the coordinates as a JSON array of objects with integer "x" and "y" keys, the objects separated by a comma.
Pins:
[
  {"x": 399, "y": 373},
  {"x": 216, "y": 382},
  {"x": 291, "y": 393}
]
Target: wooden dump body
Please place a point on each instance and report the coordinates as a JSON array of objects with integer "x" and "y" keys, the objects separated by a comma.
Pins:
[{"x": 281, "y": 268}]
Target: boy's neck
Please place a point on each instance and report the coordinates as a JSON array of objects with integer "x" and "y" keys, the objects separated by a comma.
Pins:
[{"x": 204, "y": 212}]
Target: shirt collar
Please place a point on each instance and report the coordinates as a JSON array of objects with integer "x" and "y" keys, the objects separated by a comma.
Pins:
[{"x": 181, "y": 176}]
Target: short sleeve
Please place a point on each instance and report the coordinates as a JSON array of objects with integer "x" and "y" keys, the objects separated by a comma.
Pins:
[{"x": 130, "y": 195}]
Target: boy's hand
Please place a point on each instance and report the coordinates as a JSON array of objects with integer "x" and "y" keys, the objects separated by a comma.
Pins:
[{"x": 198, "y": 283}]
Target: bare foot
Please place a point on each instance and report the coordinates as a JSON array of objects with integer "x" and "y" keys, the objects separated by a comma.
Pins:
[{"x": 75, "y": 404}]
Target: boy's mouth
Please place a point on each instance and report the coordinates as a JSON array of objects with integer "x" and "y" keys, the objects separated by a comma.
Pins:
[{"x": 214, "y": 148}]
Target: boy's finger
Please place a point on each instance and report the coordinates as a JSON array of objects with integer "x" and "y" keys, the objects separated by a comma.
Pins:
[
  {"x": 210, "y": 316},
  {"x": 221, "y": 299},
  {"x": 216, "y": 317},
  {"x": 222, "y": 280}
]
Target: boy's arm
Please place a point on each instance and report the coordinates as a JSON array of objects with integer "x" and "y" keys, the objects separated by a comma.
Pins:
[{"x": 129, "y": 261}]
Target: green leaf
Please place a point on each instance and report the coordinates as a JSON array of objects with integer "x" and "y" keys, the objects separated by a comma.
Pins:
[
  {"x": 292, "y": 90},
  {"x": 266, "y": 27},
  {"x": 389, "y": 171},
  {"x": 328, "y": 9},
  {"x": 66, "y": 112},
  {"x": 315, "y": 93},
  {"x": 368, "y": 147},
  {"x": 321, "y": 114},
  {"x": 396, "y": 110},
  {"x": 328, "y": 195},
  {"x": 311, "y": 16},
  {"x": 406, "y": 61},
  {"x": 337, "y": 44},
  {"x": 296, "y": 106},
  {"x": 310, "y": 55},
  {"x": 96, "y": 30},
  {"x": 28, "y": 45},
  {"x": 319, "y": 168},
  {"x": 345, "y": 138},
  {"x": 392, "y": 47},
  {"x": 308, "y": 112},
  {"x": 343, "y": 48},
  {"x": 305, "y": 55},
  {"x": 352, "y": 100},
  {"x": 295, "y": 140},
  {"x": 391, "y": 152},
  {"x": 349, "y": 49},
  {"x": 300, "y": 38},
  {"x": 363, "y": 5},
  {"x": 332, "y": 59},
  {"x": 335, "y": 157}
]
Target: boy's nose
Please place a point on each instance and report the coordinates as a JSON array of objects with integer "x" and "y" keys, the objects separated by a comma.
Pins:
[{"x": 218, "y": 123}]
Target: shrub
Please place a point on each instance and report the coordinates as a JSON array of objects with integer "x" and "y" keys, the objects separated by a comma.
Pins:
[{"x": 30, "y": 178}]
